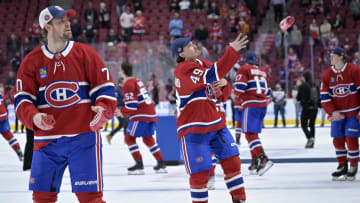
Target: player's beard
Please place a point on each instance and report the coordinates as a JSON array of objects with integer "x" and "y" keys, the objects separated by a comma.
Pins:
[{"x": 67, "y": 35}]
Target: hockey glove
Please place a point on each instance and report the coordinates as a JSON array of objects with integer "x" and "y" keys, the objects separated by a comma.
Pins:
[
  {"x": 100, "y": 118},
  {"x": 44, "y": 121}
]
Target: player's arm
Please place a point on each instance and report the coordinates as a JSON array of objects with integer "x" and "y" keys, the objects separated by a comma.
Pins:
[
  {"x": 241, "y": 82},
  {"x": 222, "y": 89},
  {"x": 130, "y": 99},
  {"x": 326, "y": 101}
]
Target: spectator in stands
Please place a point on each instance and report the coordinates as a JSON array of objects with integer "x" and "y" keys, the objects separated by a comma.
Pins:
[
  {"x": 127, "y": 21},
  {"x": 264, "y": 56},
  {"x": 294, "y": 93},
  {"x": 281, "y": 39},
  {"x": 252, "y": 5},
  {"x": 76, "y": 30},
  {"x": 123, "y": 37},
  {"x": 325, "y": 30},
  {"x": 337, "y": 23},
  {"x": 175, "y": 26},
  {"x": 174, "y": 6},
  {"x": 36, "y": 33},
  {"x": 296, "y": 40},
  {"x": 104, "y": 16},
  {"x": 120, "y": 6},
  {"x": 312, "y": 9},
  {"x": 138, "y": 5},
  {"x": 10, "y": 81},
  {"x": 15, "y": 61},
  {"x": 90, "y": 31},
  {"x": 233, "y": 8},
  {"x": 203, "y": 52},
  {"x": 332, "y": 42},
  {"x": 26, "y": 46},
  {"x": 216, "y": 37},
  {"x": 197, "y": 6},
  {"x": 349, "y": 46},
  {"x": 201, "y": 34},
  {"x": 279, "y": 99},
  {"x": 184, "y": 5},
  {"x": 112, "y": 39},
  {"x": 243, "y": 26},
  {"x": 153, "y": 88},
  {"x": 243, "y": 11},
  {"x": 206, "y": 5},
  {"x": 224, "y": 10},
  {"x": 314, "y": 32},
  {"x": 213, "y": 11},
  {"x": 292, "y": 57},
  {"x": 355, "y": 9},
  {"x": 139, "y": 24},
  {"x": 187, "y": 33},
  {"x": 279, "y": 6},
  {"x": 231, "y": 22},
  {"x": 356, "y": 59},
  {"x": 12, "y": 45},
  {"x": 90, "y": 14}
]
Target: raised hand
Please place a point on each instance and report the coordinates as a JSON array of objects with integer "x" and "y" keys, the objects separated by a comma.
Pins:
[{"x": 239, "y": 43}]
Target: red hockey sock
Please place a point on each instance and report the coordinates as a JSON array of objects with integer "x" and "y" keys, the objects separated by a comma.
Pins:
[
  {"x": 44, "y": 197},
  {"x": 90, "y": 197},
  {"x": 198, "y": 186},
  {"x": 153, "y": 147},
  {"x": 339, "y": 144},
  {"x": 254, "y": 144},
  {"x": 238, "y": 129},
  {"x": 233, "y": 177},
  {"x": 213, "y": 159},
  {"x": 133, "y": 147},
  {"x": 13, "y": 142},
  {"x": 353, "y": 150}
]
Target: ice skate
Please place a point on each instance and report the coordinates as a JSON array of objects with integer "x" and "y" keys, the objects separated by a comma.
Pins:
[
  {"x": 341, "y": 173},
  {"x": 238, "y": 141},
  {"x": 253, "y": 167},
  {"x": 20, "y": 154},
  {"x": 211, "y": 183},
  {"x": 310, "y": 143},
  {"x": 351, "y": 174},
  {"x": 160, "y": 167},
  {"x": 264, "y": 164},
  {"x": 137, "y": 169}
]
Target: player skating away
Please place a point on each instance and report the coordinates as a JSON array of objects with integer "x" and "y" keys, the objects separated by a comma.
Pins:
[
  {"x": 65, "y": 93},
  {"x": 141, "y": 110},
  {"x": 200, "y": 128},
  {"x": 340, "y": 98},
  {"x": 5, "y": 127},
  {"x": 253, "y": 91}
]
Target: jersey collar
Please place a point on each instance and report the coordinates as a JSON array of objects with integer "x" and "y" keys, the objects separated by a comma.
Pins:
[
  {"x": 339, "y": 71},
  {"x": 64, "y": 52}
]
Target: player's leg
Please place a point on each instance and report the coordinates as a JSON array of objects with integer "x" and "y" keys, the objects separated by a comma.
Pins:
[
  {"x": 282, "y": 112},
  {"x": 238, "y": 129},
  {"x": 276, "y": 112},
  {"x": 112, "y": 133},
  {"x": 211, "y": 182},
  {"x": 44, "y": 197},
  {"x": 150, "y": 142},
  {"x": 13, "y": 142},
  {"x": 312, "y": 119},
  {"x": 352, "y": 142},
  {"x": 134, "y": 128},
  {"x": 196, "y": 153},
  {"x": 223, "y": 147},
  {"x": 85, "y": 167},
  {"x": 338, "y": 135}
]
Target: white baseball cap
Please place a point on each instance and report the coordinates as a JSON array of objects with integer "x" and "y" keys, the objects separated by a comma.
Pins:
[{"x": 52, "y": 12}]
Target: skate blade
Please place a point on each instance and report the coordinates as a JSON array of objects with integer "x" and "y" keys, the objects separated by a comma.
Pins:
[
  {"x": 162, "y": 170},
  {"x": 253, "y": 172},
  {"x": 351, "y": 178},
  {"x": 340, "y": 178},
  {"x": 268, "y": 165},
  {"x": 136, "y": 172}
]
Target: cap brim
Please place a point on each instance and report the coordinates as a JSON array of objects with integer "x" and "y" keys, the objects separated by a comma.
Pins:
[{"x": 69, "y": 13}]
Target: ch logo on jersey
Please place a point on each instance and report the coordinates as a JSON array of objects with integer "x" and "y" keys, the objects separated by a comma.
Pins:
[
  {"x": 341, "y": 90},
  {"x": 62, "y": 94},
  {"x": 209, "y": 92}
]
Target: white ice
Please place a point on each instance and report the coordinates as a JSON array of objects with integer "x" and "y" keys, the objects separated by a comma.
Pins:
[{"x": 284, "y": 183}]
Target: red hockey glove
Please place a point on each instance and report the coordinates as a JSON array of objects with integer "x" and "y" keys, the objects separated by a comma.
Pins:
[
  {"x": 218, "y": 92},
  {"x": 287, "y": 22},
  {"x": 44, "y": 121},
  {"x": 100, "y": 118}
]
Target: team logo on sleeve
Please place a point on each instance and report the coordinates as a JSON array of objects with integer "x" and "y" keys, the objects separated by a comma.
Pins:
[
  {"x": 341, "y": 90},
  {"x": 43, "y": 72},
  {"x": 62, "y": 94}
]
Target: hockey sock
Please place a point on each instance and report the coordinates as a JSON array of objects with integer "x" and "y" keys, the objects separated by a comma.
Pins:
[
  {"x": 44, "y": 197},
  {"x": 254, "y": 144},
  {"x": 11, "y": 139},
  {"x": 212, "y": 170},
  {"x": 133, "y": 147},
  {"x": 198, "y": 186},
  {"x": 153, "y": 147},
  {"x": 238, "y": 129},
  {"x": 339, "y": 144},
  {"x": 233, "y": 177},
  {"x": 90, "y": 197},
  {"x": 353, "y": 150}
]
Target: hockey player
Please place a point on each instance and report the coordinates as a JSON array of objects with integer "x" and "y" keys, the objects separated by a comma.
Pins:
[
  {"x": 200, "y": 128},
  {"x": 5, "y": 127},
  {"x": 141, "y": 109},
  {"x": 340, "y": 98},
  {"x": 65, "y": 93},
  {"x": 252, "y": 89}
]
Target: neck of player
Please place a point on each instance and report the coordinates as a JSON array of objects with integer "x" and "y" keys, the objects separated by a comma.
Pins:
[{"x": 56, "y": 45}]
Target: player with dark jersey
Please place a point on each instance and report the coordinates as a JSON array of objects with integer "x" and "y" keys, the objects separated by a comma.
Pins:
[
  {"x": 65, "y": 94},
  {"x": 252, "y": 94},
  {"x": 340, "y": 98},
  {"x": 201, "y": 129}
]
